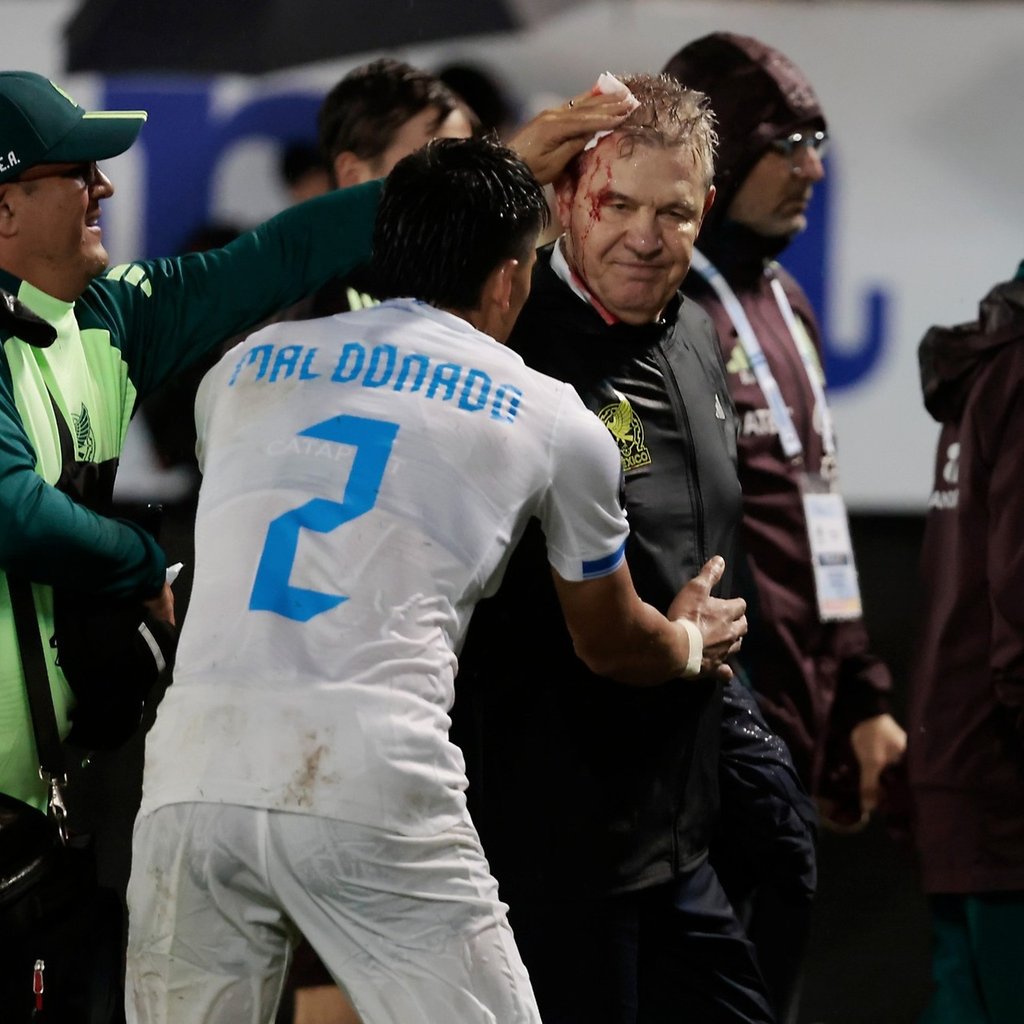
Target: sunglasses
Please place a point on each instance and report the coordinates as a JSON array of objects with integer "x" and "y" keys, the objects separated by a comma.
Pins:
[
  {"x": 87, "y": 172},
  {"x": 791, "y": 144}
]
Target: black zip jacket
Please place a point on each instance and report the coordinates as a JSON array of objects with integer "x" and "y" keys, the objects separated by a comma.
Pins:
[{"x": 580, "y": 786}]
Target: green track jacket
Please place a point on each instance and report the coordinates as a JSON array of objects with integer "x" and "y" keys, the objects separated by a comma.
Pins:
[{"x": 131, "y": 330}]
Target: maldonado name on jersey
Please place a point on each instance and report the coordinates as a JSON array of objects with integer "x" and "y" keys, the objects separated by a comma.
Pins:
[{"x": 384, "y": 366}]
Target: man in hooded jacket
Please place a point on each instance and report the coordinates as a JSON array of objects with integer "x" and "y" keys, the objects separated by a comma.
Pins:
[
  {"x": 816, "y": 678},
  {"x": 807, "y": 654},
  {"x": 966, "y": 709}
]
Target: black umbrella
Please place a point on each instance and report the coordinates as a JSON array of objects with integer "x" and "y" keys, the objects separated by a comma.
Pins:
[{"x": 255, "y": 36}]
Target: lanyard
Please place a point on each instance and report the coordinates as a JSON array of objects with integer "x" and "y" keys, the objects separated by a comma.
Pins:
[{"x": 788, "y": 435}]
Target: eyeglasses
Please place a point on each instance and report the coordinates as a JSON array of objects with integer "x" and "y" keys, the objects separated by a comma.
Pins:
[
  {"x": 792, "y": 144},
  {"x": 88, "y": 173}
]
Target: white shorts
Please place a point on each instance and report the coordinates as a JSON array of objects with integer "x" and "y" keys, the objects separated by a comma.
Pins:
[{"x": 410, "y": 927}]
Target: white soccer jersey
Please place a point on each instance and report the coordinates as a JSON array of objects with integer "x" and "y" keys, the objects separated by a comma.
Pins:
[{"x": 365, "y": 479}]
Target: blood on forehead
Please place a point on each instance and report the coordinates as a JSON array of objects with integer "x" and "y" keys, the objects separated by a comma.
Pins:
[
  {"x": 595, "y": 180},
  {"x": 596, "y": 177}
]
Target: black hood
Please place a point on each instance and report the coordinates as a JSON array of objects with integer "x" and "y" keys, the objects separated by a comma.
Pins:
[
  {"x": 738, "y": 251},
  {"x": 758, "y": 95},
  {"x": 949, "y": 357}
]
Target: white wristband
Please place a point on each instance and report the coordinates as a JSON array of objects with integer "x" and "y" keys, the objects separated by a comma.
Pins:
[{"x": 696, "y": 654}]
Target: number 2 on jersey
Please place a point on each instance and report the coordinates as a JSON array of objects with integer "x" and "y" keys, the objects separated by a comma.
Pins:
[{"x": 271, "y": 591}]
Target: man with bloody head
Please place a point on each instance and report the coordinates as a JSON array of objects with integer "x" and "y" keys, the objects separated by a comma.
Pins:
[{"x": 596, "y": 804}]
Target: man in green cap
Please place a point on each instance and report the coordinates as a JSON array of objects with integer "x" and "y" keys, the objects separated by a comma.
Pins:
[{"x": 118, "y": 335}]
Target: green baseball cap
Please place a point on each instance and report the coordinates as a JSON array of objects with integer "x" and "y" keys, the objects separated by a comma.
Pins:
[{"x": 42, "y": 124}]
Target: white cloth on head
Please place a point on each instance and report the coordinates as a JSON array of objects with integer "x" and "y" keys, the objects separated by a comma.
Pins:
[{"x": 608, "y": 85}]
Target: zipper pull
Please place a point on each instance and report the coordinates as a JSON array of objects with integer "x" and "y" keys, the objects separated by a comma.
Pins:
[{"x": 37, "y": 986}]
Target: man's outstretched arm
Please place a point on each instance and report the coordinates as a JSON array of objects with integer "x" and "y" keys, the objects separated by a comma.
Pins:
[{"x": 618, "y": 635}]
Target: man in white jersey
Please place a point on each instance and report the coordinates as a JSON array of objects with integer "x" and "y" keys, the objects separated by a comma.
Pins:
[{"x": 365, "y": 477}]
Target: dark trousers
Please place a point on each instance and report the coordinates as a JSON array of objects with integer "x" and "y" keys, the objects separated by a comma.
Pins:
[
  {"x": 671, "y": 954},
  {"x": 779, "y": 929}
]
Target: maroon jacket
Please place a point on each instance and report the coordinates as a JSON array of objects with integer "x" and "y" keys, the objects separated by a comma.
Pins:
[
  {"x": 966, "y": 724},
  {"x": 814, "y": 680}
]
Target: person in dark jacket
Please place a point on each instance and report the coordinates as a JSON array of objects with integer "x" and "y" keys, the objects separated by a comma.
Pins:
[
  {"x": 596, "y": 805},
  {"x": 966, "y": 709},
  {"x": 808, "y": 654}
]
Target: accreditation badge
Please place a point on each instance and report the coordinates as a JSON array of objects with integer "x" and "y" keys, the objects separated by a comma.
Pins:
[{"x": 828, "y": 529}]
